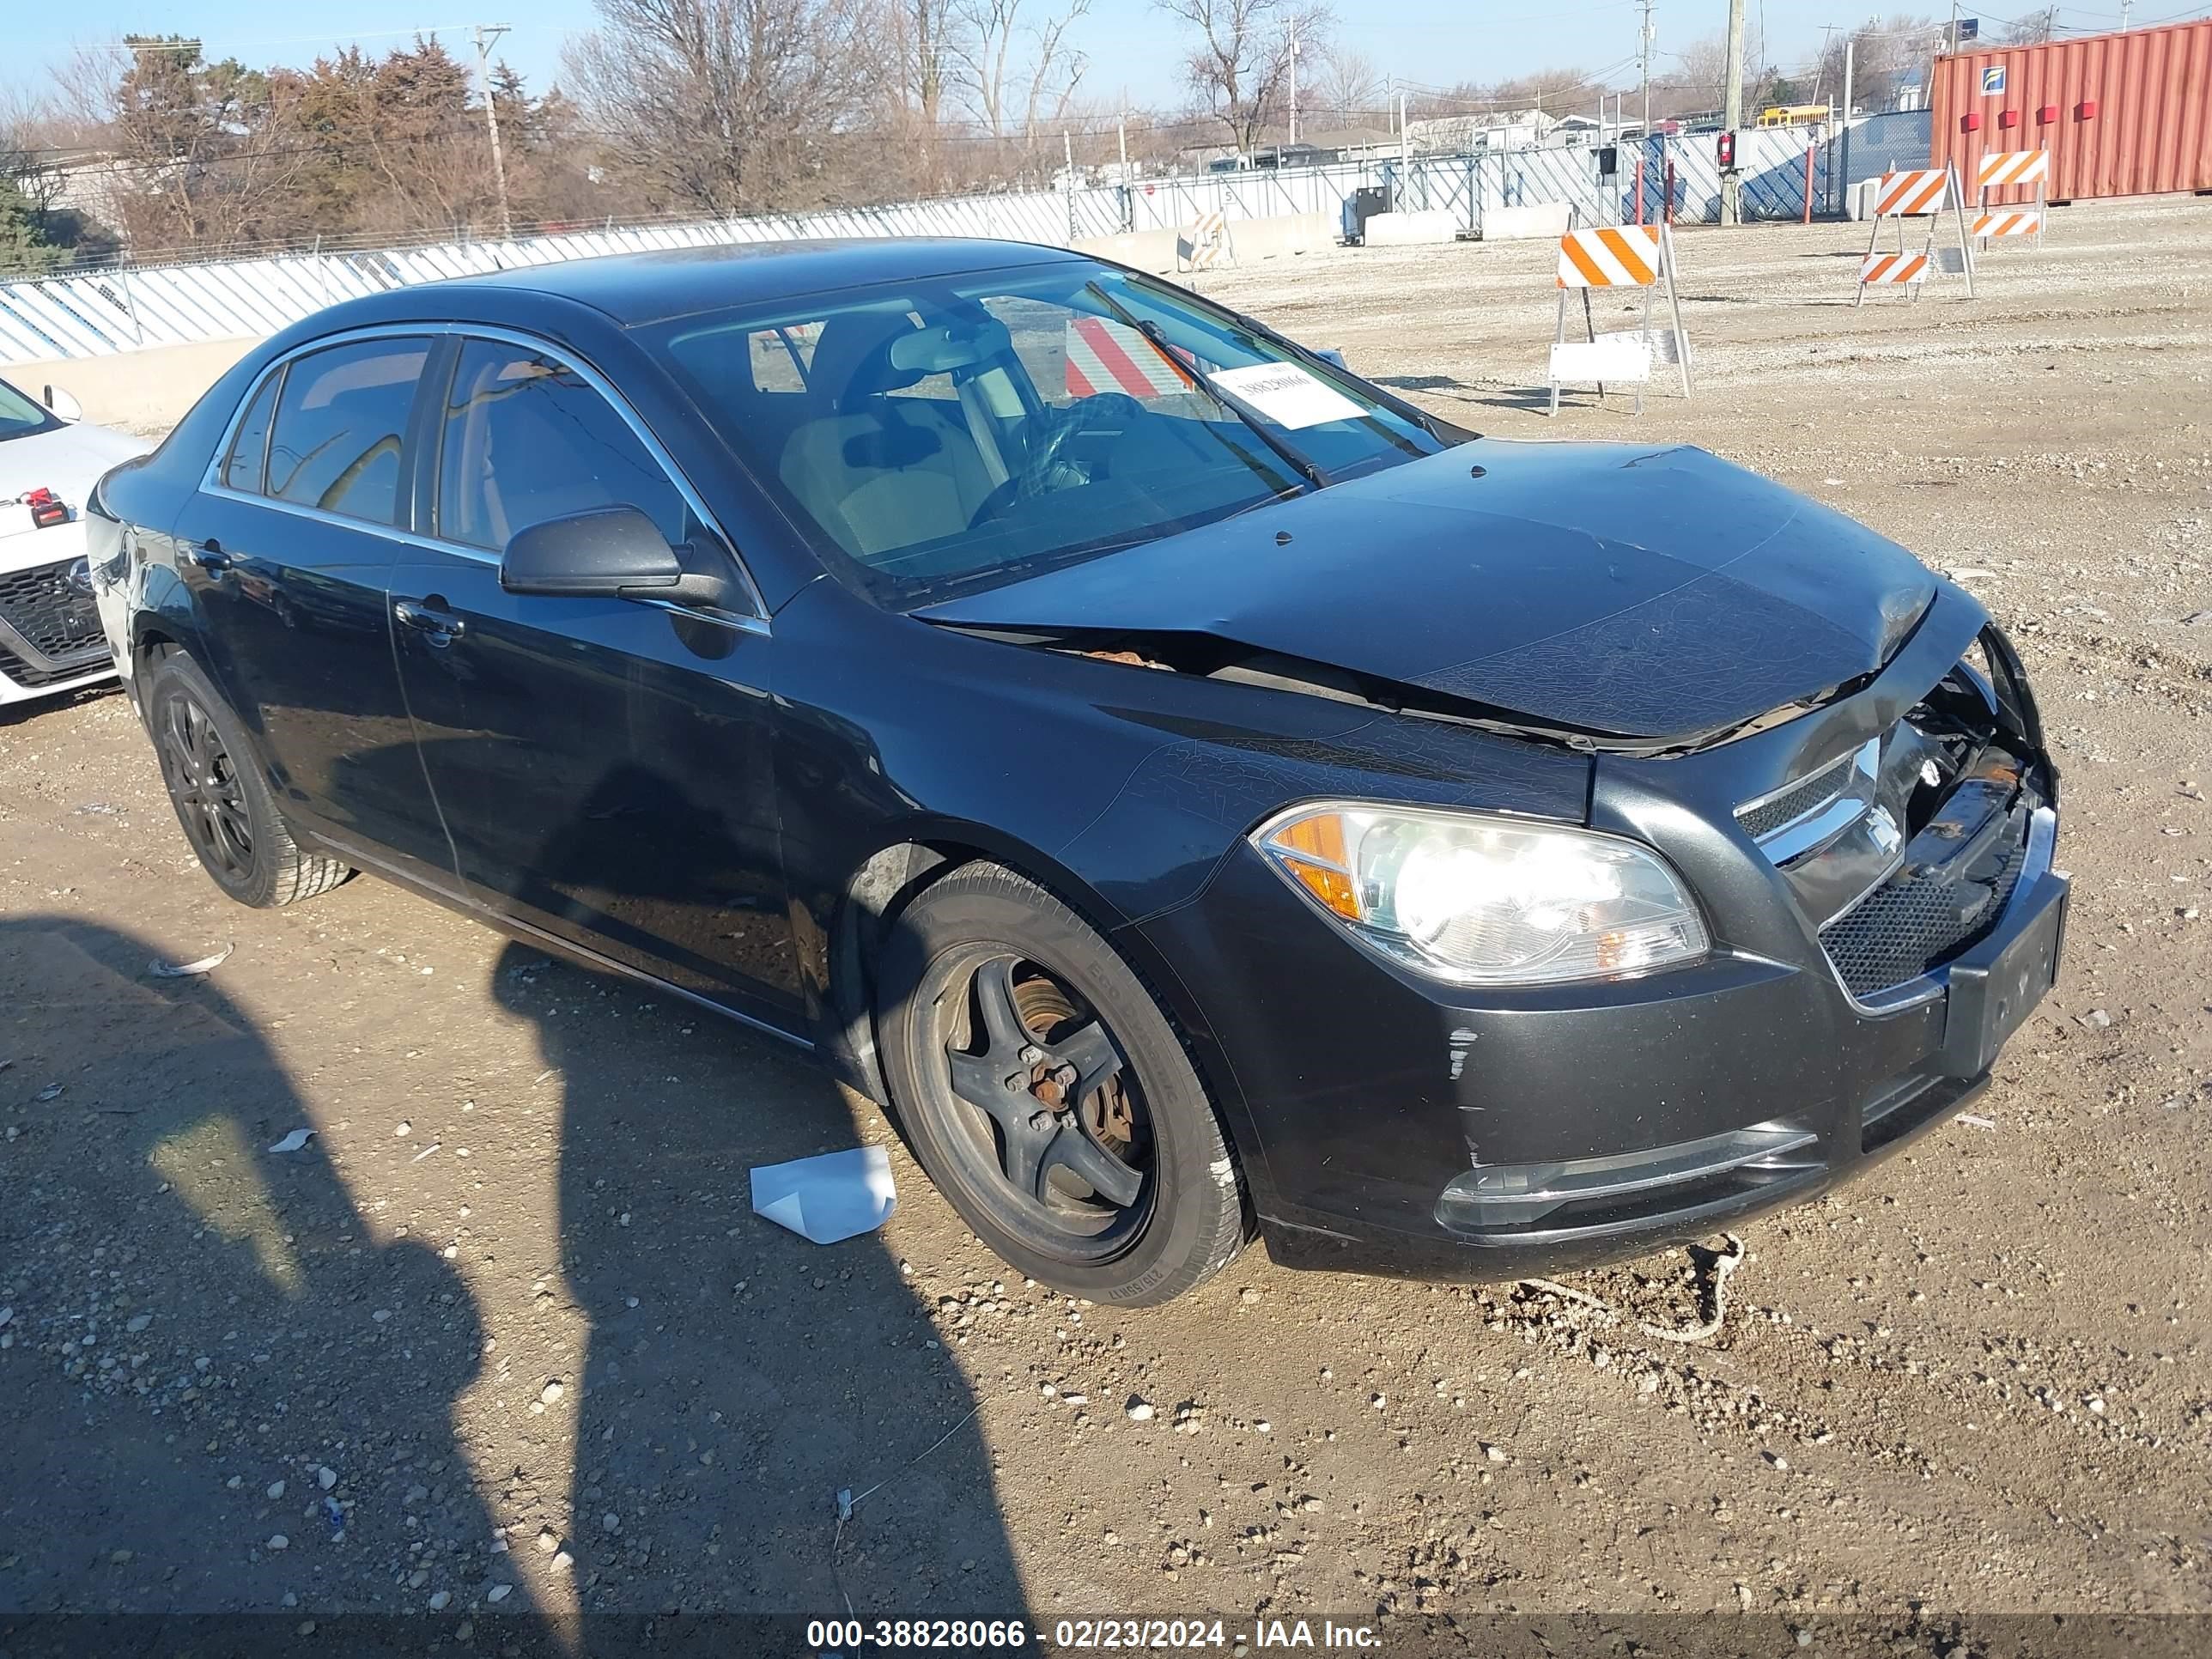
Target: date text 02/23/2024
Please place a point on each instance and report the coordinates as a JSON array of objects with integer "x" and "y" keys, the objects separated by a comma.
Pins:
[{"x": 853, "y": 1636}]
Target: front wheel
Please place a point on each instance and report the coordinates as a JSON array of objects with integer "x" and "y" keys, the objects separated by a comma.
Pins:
[{"x": 1049, "y": 1098}]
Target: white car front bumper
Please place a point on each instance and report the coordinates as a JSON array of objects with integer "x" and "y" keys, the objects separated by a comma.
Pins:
[{"x": 51, "y": 640}]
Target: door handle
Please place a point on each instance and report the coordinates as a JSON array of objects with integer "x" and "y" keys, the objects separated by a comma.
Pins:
[
  {"x": 207, "y": 556},
  {"x": 442, "y": 627}
]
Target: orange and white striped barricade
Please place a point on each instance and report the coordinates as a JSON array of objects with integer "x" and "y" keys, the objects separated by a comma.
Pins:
[
  {"x": 1104, "y": 356},
  {"x": 1206, "y": 243},
  {"x": 1640, "y": 256},
  {"x": 2011, "y": 169},
  {"x": 1922, "y": 193}
]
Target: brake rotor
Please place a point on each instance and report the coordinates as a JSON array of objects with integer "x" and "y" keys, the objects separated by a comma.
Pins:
[{"x": 1045, "y": 1010}]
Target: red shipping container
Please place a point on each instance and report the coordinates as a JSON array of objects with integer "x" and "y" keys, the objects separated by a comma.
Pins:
[{"x": 2135, "y": 112}]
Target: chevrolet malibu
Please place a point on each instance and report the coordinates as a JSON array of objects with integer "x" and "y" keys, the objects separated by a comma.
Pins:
[{"x": 1200, "y": 794}]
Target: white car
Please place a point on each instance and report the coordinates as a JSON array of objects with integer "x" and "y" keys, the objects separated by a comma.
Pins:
[{"x": 49, "y": 459}]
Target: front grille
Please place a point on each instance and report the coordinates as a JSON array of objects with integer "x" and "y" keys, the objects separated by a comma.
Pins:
[
  {"x": 35, "y": 679},
  {"x": 54, "y": 616},
  {"x": 1808, "y": 793},
  {"x": 1916, "y": 922}
]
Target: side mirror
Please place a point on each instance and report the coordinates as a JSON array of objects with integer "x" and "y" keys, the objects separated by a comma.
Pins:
[
  {"x": 608, "y": 553},
  {"x": 64, "y": 406}
]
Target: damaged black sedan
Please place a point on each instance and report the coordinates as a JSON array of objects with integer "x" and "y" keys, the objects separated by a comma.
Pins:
[{"x": 1200, "y": 794}]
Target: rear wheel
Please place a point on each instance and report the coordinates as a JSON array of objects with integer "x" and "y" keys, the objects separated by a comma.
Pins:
[
  {"x": 1049, "y": 1097},
  {"x": 222, "y": 801}
]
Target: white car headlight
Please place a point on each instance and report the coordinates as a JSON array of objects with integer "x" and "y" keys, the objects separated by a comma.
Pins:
[{"x": 1478, "y": 900}]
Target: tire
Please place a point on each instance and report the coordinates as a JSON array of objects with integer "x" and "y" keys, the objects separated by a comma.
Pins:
[
  {"x": 221, "y": 797},
  {"x": 1049, "y": 1097}
]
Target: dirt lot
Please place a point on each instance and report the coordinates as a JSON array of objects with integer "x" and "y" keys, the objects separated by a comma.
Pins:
[{"x": 506, "y": 1337}]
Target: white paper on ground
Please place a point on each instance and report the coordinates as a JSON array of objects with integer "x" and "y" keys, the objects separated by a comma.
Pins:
[
  {"x": 836, "y": 1195},
  {"x": 1286, "y": 394}
]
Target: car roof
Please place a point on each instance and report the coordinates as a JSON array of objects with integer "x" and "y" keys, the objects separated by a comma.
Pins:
[{"x": 636, "y": 288}]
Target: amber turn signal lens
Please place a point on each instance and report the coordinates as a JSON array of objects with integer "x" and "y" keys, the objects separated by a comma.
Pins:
[
  {"x": 1321, "y": 836},
  {"x": 1332, "y": 887}
]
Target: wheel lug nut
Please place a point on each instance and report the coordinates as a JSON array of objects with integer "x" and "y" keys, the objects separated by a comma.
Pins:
[{"x": 1031, "y": 1053}]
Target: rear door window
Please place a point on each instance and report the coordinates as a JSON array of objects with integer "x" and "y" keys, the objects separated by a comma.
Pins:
[
  {"x": 249, "y": 451},
  {"x": 525, "y": 438},
  {"x": 341, "y": 425}
]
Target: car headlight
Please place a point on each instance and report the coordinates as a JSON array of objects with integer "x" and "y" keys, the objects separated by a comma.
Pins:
[{"x": 1478, "y": 900}]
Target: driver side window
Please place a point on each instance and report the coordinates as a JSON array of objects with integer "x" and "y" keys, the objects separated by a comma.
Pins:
[{"x": 525, "y": 438}]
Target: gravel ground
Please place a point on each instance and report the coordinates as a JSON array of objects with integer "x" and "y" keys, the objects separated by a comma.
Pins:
[{"x": 504, "y": 1336}]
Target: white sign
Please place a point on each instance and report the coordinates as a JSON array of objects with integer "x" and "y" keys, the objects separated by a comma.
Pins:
[
  {"x": 1662, "y": 343},
  {"x": 1626, "y": 359},
  {"x": 1286, "y": 394},
  {"x": 1993, "y": 81}
]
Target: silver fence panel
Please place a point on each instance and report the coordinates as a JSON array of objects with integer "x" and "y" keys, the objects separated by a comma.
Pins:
[{"x": 95, "y": 313}]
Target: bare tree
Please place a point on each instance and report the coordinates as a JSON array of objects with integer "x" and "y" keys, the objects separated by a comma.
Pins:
[
  {"x": 1887, "y": 54},
  {"x": 1350, "y": 86},
  {"x": 728, "y": 106},
  {"x": 1015, "y": 74},
  {"x": 2033, "y": 28},
  {"x": 1240, "y": 62},
  {"x": 1698, "y": 80},
  {"x": 928, "y": 51}
]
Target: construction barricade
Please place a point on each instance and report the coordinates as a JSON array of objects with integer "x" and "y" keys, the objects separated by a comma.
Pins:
[
  {"x": 1206, "y": 244},
  {"x": 1640, "y": 256},
  {"x": 2011, "y": 169},
  {"x": 1924, "y": 192}
]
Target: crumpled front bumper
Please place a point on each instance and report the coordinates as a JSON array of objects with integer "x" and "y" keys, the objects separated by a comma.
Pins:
[{"x": 1403, "y": 1126}]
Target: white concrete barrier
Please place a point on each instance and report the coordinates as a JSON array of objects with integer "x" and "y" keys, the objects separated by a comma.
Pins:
[
  {"x": 1544, "y": 221},
  {"x": 1285, "y": 232},
  {"x": 1410, "y": 229},
  {"x": 1250, "y": 240},
  {"x": 1145, "y": 250}
]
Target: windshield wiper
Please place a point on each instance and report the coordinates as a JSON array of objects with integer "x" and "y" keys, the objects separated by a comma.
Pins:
[{"x": 1303, "y": 465}]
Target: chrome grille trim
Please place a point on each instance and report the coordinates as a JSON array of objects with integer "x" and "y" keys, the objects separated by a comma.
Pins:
[{"x": 1804, "y": 814}]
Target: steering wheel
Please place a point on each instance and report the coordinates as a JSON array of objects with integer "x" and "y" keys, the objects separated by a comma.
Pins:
[{"x": 1046, "y": 470}]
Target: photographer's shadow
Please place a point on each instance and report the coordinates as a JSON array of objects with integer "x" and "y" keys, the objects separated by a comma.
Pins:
[
  {"x": 737, "y": 1377},
  {"x": 244, "y": 1358}
]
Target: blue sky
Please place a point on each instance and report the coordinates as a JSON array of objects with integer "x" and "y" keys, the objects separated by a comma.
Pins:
[{"x": 1131, "y": 46}]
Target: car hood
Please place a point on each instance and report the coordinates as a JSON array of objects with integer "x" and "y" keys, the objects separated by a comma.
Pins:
[
  {"x": 66, "y": 460},
  {"x": 1614, "y": 590}
]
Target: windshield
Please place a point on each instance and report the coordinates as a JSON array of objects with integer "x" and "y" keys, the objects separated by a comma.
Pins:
[
  {"x": 20, "y": 416},
  {"x": 957, "y": 432}
]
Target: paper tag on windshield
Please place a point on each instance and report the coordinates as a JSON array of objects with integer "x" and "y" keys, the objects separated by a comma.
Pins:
[{"x": 1286, "y": 394}]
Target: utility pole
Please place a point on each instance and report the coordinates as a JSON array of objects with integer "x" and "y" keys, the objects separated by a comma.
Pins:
[
  {"x": 1294, "y": 79},
  {"x": 2126, "y": 6},
  {"x": 488, "y": 35},
  {"x": 1643, "y": 51},
  {"x": 1732, "y": 116},
  {"x": 1844, "y": 172}
]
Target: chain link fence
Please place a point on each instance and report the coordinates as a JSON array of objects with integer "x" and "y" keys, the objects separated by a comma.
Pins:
[{"x": 93, "y": 313}]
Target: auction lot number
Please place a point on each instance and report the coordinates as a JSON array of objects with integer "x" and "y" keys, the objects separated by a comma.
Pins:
[{"x": 853, "y": 1634}]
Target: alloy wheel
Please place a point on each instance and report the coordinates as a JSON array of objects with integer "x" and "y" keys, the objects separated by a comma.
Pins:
[
  {"x": 1048, "y": 1118},
  {"x": 204, "y": 780}
]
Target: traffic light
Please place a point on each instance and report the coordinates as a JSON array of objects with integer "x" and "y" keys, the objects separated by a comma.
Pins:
[{"x": 1724, "y": 148}]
